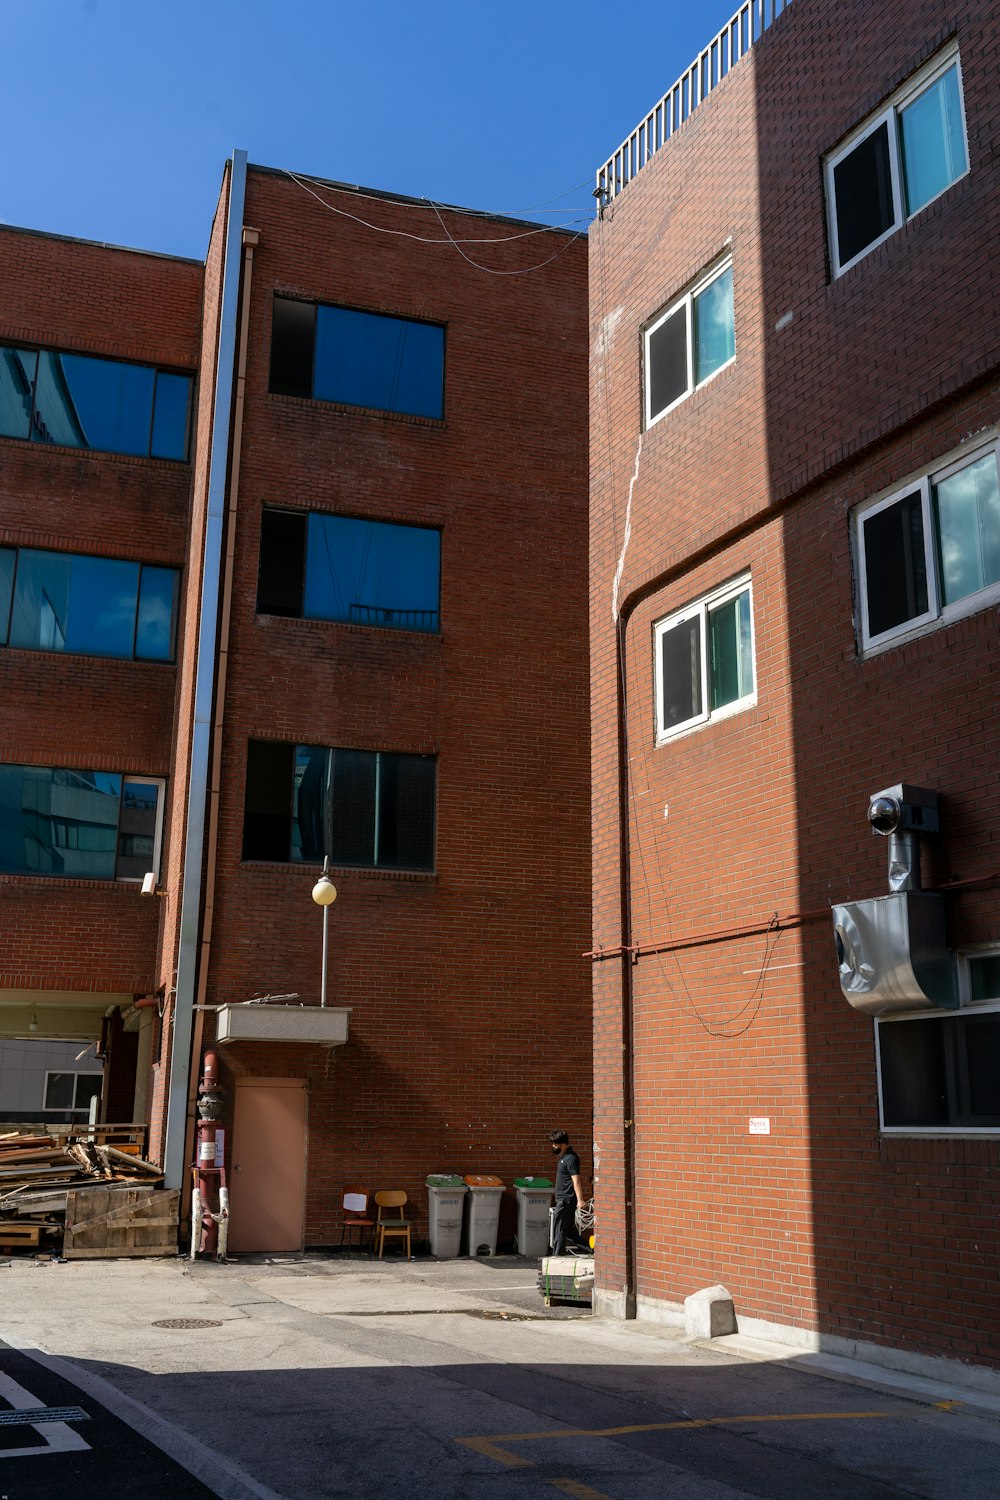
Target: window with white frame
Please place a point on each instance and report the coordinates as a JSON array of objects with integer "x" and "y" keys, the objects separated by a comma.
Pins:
[
  {"x": 930, "y": 550},
  {"x": 894, "y": 164},
  {"x": 71, "y": 1093},
  {"x": 689, "y": 342},
  {"x": 941, "y": 1071},
  {"x": 705, "y": 659}
]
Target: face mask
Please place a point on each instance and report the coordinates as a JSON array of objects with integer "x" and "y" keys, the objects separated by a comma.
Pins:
[{"x": 556, "y": 1149}]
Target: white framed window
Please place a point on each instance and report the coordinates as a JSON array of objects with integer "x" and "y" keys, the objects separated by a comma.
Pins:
[
  {"x": 939, "y": 1072},
  {"x": 690, "y": 341},
  {"x": 704, "y": 658},
  {"x": 897, "y": 162},
  {"x": 67, "y": 1093},
  {"x": 930, "y": 550}
]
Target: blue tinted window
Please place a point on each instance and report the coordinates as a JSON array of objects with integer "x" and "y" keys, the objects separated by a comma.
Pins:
[
  {"x": 58, "y": 822},
  {"x": 81, "y": 604},
  {"x": 392, "y": 364},
  {"x": 170, "y": 416},
  {"x": 81, "y": 402},
  {"x": 154, "y": 635},
  {"x": 17, "y": 386},
  {"x": 715, "y": 338},
  {"x": 93, "y": 606},
  {"x": 7, "y": 560},
  {"x": 372, "y": 573},
  {"x": 312, "y": 767},
  {"x": 94, "y": 403},
  {"x": 933, "y": 141},
  {"x": 137, "y": 828}
]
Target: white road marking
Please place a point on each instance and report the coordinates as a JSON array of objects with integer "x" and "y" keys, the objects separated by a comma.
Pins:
[{"x": 58, "y": 1437}]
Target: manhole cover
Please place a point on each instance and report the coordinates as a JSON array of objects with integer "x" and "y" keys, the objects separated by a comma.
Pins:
[{"x": 188, "y": 1323}]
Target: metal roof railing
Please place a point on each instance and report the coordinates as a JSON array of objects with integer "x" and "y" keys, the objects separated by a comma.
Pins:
[{"x": 681, "y": 100}]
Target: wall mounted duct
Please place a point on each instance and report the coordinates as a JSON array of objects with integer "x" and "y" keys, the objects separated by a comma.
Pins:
[
  {"x": 892, "y": 950},
  {"x": 893, "y": 953}
]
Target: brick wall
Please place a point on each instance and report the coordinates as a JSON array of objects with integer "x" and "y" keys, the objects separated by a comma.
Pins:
[
  {"x": 824, "y": 1223},
  {"x": 88, "y": 712},
  {"x": 470, "y": 1023}
]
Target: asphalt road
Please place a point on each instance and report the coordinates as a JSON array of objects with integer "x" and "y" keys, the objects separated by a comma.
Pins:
[{"x": 444, "y": 1382}]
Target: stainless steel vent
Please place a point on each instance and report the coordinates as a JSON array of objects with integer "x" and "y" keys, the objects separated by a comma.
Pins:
[{"x": 893, "y": 950}]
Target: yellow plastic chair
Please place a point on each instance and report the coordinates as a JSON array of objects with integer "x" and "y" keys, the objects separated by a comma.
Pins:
[{"x": 391, "y": 1219}]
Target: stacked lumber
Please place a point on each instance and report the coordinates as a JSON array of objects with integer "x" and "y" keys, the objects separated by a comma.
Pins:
[{"x": 37, "y": 1172}]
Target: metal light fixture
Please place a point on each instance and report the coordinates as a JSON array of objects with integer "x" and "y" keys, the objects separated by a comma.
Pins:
[{"x": 324, "y": 893}]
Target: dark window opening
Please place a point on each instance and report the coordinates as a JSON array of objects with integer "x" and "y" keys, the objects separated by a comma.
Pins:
[
  {"x": 667, "y": 369},
  {"x": 267, "y": 820},
  {"x": 293, "y": 337},
  {"x": 895, "y": 564},
  {"x": 681, "y": 673},
  {"x": 372, "y": 809},
  {"x": 281, "y": 579},
  {"x": 941, "y": 1072},
  {"x": 863, "y": 188}
]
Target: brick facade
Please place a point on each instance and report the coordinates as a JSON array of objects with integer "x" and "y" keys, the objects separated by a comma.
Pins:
[
  {"x": 840, "y": 389},
  {"x": 469, "y": 996}
]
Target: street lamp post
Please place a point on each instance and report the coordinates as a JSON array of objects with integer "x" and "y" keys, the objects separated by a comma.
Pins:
[{"x": 324, "y": 893}]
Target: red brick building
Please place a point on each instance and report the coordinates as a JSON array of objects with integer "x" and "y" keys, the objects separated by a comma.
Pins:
[
  {"x": 795, "y": 569},
  {"x": 372, "y": 647}
]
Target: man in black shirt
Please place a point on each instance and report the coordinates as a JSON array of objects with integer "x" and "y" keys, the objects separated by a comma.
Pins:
[{"x": 569, "y": 1192}]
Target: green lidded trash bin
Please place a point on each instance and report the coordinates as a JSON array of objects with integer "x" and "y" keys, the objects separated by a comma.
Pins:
[
  {"x": 446, "y": 1200},
  {"x": 534, "y": 1195}
]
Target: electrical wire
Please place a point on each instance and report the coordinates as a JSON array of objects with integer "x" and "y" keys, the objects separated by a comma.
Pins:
[{"x": 422, "y": 239}]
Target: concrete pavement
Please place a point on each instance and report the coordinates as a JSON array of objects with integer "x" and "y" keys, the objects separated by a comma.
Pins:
[{"x": 308, "y": 1377}]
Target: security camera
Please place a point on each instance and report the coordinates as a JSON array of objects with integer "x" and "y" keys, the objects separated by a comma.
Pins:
[
  {"x": 903, "y": 809},
  {"x": 884, "y": 814}
]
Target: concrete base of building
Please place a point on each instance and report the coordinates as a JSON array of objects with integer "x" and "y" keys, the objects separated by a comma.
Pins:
[{"x": 758, "y": 1339}]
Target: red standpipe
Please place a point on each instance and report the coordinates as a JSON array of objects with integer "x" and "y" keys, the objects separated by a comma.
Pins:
[{"x": 209, "y": 1178}]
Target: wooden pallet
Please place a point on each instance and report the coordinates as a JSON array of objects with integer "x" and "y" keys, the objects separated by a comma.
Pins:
[
  {"x": 105, "y": 1222},
  {"x": 13, "y": 1236}
]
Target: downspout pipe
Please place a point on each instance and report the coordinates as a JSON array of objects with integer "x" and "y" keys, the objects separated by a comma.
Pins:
[{"x": 194, "y": 845}]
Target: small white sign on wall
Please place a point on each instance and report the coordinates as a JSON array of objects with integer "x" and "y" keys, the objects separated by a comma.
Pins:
[{"x": 759, "y": 1125}]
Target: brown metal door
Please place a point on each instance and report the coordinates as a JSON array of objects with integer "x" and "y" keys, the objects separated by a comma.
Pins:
[{"x": 267, "y": 1192}]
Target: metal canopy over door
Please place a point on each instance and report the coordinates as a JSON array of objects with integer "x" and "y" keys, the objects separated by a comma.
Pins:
[{"x": 267, "y": 1203}]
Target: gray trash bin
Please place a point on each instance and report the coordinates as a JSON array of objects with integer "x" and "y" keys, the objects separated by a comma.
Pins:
[
  {"x": 484, "y": 1213},
  {"x": 534, "y": 1195},
  {"x": 446, "y": 1201}
]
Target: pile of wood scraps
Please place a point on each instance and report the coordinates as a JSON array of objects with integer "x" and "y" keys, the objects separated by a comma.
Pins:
[{"x": 39, "y": 1172}]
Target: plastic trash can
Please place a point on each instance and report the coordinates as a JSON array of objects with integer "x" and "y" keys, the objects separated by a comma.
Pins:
[
  {"x": 534, "y": 1195},
  {"x": 484, "y": 1213},
  {"x": 446, "y": 1200}
]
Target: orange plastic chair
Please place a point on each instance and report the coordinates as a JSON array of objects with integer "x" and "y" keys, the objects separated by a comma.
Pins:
[
  {"x": 357, "y": 1216},
  {"x": 391, "y": 1224}
]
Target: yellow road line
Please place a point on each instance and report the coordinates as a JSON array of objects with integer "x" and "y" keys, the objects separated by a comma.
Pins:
[
  {"x": 489, "y": 1447},
  {"x": 687, "y": 1425},
  {"x": 577, "y": 1490}
]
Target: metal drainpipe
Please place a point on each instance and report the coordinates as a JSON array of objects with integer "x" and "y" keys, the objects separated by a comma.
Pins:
[
  {"x": 628, "y": 964},
  {"x": 251, "y": 238},
  {"x": 175, "y": 1150}
]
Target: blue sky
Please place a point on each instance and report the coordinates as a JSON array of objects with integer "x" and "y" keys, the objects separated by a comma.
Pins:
[{"x": 127, "y": 109}]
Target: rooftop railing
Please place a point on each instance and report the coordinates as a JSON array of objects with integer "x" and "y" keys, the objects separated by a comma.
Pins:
[{"x": 682, "y": 99}]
